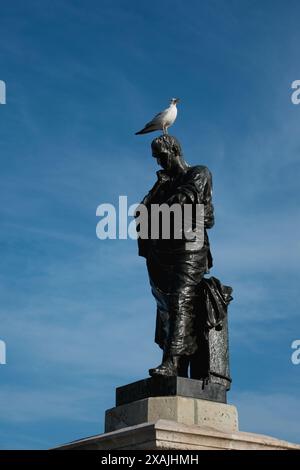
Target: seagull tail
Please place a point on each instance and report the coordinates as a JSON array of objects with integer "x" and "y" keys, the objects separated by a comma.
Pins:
[{"x": 146, "y": 130}]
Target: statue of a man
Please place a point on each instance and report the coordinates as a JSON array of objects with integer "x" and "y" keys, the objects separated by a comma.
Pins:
[{"x": 176, "y": 266}]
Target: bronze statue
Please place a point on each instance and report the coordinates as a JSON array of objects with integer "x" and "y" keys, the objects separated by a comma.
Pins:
[{"x": 191, "y": 324}]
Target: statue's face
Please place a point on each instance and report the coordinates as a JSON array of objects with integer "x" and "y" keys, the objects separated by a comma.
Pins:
[
  {"x": 163, "y": 157},
  {"x": 164, "y": 161}
]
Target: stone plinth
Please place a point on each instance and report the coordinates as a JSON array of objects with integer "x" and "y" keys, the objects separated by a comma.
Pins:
[
  {"x": 169, "y": 435},
  {"x": 170, "y": 386},
  {"x": 179, "y": 409}
]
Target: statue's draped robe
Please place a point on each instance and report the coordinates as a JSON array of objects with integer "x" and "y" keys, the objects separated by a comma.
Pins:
[{"x": 176, "y": 266}]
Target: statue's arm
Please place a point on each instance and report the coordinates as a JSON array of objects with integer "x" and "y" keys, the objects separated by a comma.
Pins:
[
  {"x": 150, "y": 196},
  {"x": 197, "y": 189},
  {"x": 143, "y": 244},
  {"x": 209, "y": 219}
]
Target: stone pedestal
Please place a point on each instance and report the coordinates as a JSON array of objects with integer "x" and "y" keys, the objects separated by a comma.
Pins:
[
  {"x": 179, "y": 409},
  {"x": 172, "y": 413}
]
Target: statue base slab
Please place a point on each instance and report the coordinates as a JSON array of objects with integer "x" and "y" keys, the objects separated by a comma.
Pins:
[{"x": 170, "y": 435}]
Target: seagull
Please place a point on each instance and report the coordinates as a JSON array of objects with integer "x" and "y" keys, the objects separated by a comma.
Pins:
[{"x": 162, "y": 120}]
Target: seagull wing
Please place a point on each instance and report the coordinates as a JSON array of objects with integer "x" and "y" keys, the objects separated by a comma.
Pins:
[
  {"x": 150, "y": 127},
  {"x": 155, "y": 124},
  {"x": 158, "y": 119}
]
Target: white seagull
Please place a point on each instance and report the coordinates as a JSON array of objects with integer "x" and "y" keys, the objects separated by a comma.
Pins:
[{"x": 162, "y": 120}]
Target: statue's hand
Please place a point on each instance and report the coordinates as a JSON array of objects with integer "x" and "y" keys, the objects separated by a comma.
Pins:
[
  {"x": 179, "y": 198},
  {"x": 162, "y": 177}
]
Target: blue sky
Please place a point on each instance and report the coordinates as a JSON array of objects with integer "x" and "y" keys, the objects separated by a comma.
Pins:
[{"x": 76, "y": 313}]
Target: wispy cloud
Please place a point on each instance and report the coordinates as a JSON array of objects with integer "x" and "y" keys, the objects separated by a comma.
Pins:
[
  {"x": 274, "y": 414},
  {"x": 77, "y": 314}
]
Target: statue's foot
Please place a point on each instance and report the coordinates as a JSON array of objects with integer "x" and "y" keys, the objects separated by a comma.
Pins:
[
  {"x": 162, "y": 370},
  {"x": 167, "y": 368}
]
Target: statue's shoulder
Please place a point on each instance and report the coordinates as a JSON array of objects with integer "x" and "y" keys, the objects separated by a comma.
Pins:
[{"x": 199, "y": 170}]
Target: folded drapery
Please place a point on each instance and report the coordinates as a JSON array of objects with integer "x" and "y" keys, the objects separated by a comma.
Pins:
[{"x": 215, "y": 300}]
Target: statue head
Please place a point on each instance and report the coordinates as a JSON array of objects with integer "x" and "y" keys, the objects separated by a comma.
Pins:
[
  {"x": 167, "y": 150},
  {"x": 165, "y": 144}
]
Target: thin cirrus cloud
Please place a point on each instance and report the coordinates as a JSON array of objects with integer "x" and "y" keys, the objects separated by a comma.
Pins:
[{"x": 77, "y": 312}]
